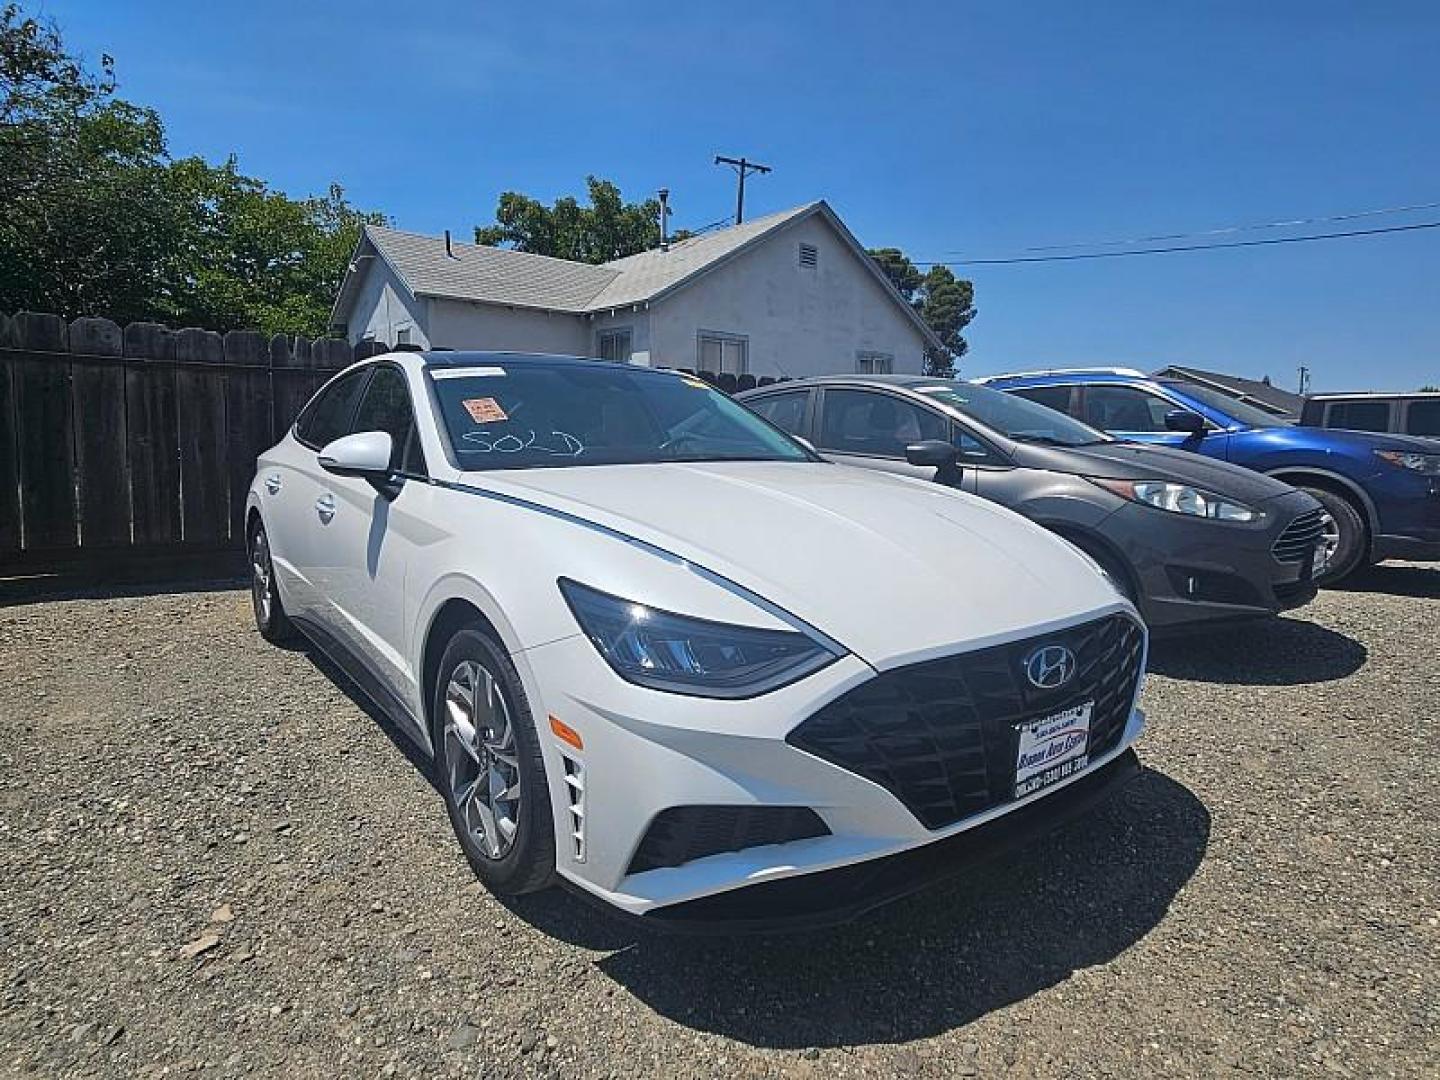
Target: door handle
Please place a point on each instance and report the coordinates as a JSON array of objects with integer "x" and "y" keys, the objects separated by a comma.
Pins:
[
  {"x": 272, "y": 483},
  {"x": 325, "y": 507}
]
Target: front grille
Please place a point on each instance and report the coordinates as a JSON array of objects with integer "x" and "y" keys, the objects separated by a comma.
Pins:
[
  {"x": 680, "y": 834},
  {"x": 1299, "y": 537},
  {"x": 941, "y": 735}
]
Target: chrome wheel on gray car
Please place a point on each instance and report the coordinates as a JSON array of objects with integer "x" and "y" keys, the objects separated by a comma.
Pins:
[{"x": 481, "y": 765}]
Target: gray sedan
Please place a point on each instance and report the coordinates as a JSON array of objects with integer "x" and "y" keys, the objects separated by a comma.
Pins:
[{"x": 1193, "y": 542}]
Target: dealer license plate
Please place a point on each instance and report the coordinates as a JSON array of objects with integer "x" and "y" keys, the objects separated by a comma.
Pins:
[{"x": 1052, "y": 749}]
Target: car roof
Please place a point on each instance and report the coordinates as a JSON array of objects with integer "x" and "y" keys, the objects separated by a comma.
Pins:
[
  {"x": 848, "y": 380},
  {"x": 467, "y": 357},
  {"x": 1077, "y": 375},
  {"x": 1375, "y": 395}
]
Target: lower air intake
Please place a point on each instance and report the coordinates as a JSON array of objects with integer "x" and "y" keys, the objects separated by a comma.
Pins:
[{"x": 681, "y": 834}]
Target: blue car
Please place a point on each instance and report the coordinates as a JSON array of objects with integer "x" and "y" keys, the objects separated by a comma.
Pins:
[{"x": 1381, "y": 492}]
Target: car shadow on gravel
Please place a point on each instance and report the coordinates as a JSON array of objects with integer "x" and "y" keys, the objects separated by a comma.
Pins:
[
  {"x": 961, "y": 949},
  {"x": 1421, "y": 582},
  {"x": 1274, "y": 652}
]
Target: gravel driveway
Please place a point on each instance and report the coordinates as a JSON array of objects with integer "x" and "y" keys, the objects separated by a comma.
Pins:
[{"x": 216, "y": 862}]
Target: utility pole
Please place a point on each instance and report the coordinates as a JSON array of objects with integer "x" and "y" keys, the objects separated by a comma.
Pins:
[
  {"x": 1304, "y": 380},
  {"x": 742, "y": 166}
]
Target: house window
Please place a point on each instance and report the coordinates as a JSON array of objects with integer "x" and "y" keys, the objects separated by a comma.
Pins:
[
  {"x": 875, "y": 363},
  {"x": 809, "y": 256},
  {"x": 723, "y": 354},
  {"x": 614, "y": 345},
  {"x": 402, "y": 336}
]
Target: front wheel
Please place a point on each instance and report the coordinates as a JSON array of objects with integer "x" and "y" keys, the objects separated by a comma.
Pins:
[
  {"x": 1342, "y": 548},
  {"x": 270, "y": 618},
  {"x": 491, "y": 772}
]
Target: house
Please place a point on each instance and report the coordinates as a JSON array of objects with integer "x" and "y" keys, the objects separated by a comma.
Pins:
[
  {"x": 790, "y": 294},
  {"x": 1262, "y": 394}
]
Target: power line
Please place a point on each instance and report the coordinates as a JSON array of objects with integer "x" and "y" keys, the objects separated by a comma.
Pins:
[
  {"x": 1270, "y": 241},
  {"x": 1226, "y": 230}
]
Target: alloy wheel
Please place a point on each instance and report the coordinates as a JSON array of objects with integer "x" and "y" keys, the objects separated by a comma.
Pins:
[
  {"x": 1327, "y": 545},
  {"x": 260, "y": 575},
  {"x": 482, "y": 769}
]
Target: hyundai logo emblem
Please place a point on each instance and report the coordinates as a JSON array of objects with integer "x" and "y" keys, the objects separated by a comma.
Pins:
[{"x": 1050, "y": 667}]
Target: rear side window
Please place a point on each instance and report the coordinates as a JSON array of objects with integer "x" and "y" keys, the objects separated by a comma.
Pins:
[
  {"x": 1359, "y": 415},
  {"x": 1052, "y": 397},
  {"x": 328, "y": 417},
  {"x": 861, "y": 422},
  {"x": 1423, "y": 417},
  {"x": 1124, "y": 408},
  {"x": 785, "y": 411},
  {"x": 386, "y": 407}
]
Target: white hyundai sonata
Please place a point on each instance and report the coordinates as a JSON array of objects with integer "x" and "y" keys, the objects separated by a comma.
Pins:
[{"x": 660, "y": 650}]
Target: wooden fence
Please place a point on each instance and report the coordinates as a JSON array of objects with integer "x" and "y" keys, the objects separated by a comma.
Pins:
[{"x": 138, "y": 445}]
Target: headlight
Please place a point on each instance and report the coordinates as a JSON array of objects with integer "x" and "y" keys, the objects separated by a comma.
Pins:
[
  {"x": 1429, "y": 464},
  {"x": 684, "y": 655},
  {"x": 1179, "y": 499}
]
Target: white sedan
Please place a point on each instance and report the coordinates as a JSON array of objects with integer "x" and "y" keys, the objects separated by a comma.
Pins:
[{"x": 659, "y": 650}]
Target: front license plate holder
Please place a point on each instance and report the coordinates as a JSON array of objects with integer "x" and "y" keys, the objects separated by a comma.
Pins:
[{"x": 1052, "y": 748}]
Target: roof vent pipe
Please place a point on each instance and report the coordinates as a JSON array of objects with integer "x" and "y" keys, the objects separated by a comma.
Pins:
[
  {"x": 664, "y": 219},
  {"x": 449, "y": 254}
]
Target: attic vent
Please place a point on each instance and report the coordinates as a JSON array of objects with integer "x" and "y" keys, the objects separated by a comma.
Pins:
[{"x": 809, "y": 256}]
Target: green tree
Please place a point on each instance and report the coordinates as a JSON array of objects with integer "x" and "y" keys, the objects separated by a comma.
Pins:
[
  {"x": 253, "y": 257},
  {"x": 609, "y": 228},
  {"x": 98, "y": 220},
  {"x": 945, "y": 302},
  {"x": 1429, "y": 389},
  {"x": 87, "y": 218}
]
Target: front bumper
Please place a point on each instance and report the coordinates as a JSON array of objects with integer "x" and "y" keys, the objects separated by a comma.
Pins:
[
  {"x": 1194, "y": 573},
  {"x": 646, "y": 753}
]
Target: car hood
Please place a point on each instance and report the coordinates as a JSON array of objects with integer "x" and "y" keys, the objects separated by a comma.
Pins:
[
  {"x": 894, "y": 569},
  {"x": 1139, "y": 461},
  {"x": 1369, "y": 440}
]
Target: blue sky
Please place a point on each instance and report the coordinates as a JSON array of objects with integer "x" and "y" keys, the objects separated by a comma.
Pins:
[{"x": 975, "y": 128}]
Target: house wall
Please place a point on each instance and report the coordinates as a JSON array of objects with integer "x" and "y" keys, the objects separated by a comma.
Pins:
[
  {"x": 797, "y": 321},
  {"x": 455, "y": 324},
  {"x": 383, "y": 306}
]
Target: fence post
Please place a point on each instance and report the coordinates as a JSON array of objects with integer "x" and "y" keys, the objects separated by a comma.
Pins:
[
  {"x": 9, "y": 444},
  {"x": 102, "y": 475},
  {"x": 204, "y": 468},
  {"x": 290, "y": 380},
  {"x": 247, "y": 416},
  {"x": 46, "y": 433},
  {"x": 152, "y": 434}
]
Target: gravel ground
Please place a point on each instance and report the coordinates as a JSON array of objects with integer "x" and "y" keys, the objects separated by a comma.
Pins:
[{"x": 217, "y": 863}]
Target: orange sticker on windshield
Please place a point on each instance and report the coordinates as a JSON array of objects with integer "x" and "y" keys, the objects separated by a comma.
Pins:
[{"x": 484, "y": 410}]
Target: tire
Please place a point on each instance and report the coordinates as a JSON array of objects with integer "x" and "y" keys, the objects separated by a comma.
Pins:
[
  {"x": 1349, "y": 538},
  {"x": 510, "y": 842},
  {"x": 270, "y": 618}
]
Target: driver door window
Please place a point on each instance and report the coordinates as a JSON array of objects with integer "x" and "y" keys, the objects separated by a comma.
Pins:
[
  {"x": 386, "y": 407},
  {"x": 875, "y": 424},
  {"x": 1124, "y": 408}
]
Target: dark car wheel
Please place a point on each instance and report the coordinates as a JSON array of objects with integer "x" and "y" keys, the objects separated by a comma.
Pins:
[
  {"x": 1343, "y": 546},
  {"x": 491, "y": 773},
  {"x": 270, "y": 618}
]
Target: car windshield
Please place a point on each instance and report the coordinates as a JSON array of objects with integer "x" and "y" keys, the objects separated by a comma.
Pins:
[
  {"x": 1234, "y": 408},
  {"x": 1015, "y": 417},
  {"x": 532, "y": 413}
]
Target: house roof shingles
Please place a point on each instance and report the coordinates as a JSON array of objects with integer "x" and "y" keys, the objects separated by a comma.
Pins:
[{"x": 1264, "y": 394}]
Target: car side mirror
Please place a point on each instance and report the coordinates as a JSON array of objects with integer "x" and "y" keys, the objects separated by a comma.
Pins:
[
  {"x": 1185, "y": 420},
  {"x": 932, "y": 453},
  {"x": 365, "y": 454}
]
